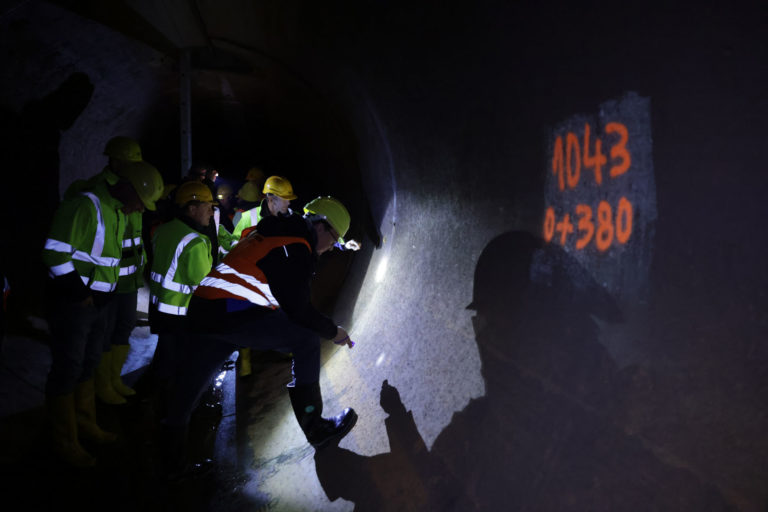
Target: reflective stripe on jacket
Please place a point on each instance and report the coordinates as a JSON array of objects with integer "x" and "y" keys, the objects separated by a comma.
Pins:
[
  {"x": 86, "y": 237},
  {"x": 226, "y": 239},
  {"x": 182, "y": 257},
  {"x": 134, "y": 256},
  {"x": 239, "y": 276},
  {"x": 247, "y": 219}
]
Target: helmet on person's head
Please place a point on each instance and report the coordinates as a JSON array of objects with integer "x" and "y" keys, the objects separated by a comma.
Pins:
[
  {"x": 249, "y": 192},
  {"x": 254, "y": 174},
  {"x": 331, "y": 210},
  {"x": 223, "y": 191},
  {"x": 280, "y": 187},
  {"x": 123, "y": 148},
  {"x": 146, "y": 180},
  {"x": 193, "y": 191}
]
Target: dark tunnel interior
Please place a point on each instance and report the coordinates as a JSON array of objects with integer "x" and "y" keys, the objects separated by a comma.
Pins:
[
  {"x": 273, "y": 121},
  {"x": 560, "y": 299}
]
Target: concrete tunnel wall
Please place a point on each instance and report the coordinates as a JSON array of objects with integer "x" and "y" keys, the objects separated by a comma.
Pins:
[{"x": 639, "y": 368}]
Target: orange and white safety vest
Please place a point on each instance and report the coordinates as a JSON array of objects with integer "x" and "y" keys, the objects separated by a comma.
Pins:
[{"x": 239, "y": 277}]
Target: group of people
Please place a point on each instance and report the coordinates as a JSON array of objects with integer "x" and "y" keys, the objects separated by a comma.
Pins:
[{"x": 221, "y": 279}]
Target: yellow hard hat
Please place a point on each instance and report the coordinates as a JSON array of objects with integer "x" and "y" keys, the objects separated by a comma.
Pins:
[
  {"x": 249, "y": 192},
  {"x": 223, "y": 191},
  {"x": 123, "y": 148},
  {"x": 254, "y": 174},
  {"x": 194, "y": 191},
  {"x": 280, "y": 187},
  {"x": 146, "y": 180},
  {"x": 331, "y": 210}
]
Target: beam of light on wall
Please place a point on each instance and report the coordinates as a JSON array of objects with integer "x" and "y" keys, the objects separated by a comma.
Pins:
[
  {"x": 381, "y": 270},
  {"x": 380, "y": 359}
]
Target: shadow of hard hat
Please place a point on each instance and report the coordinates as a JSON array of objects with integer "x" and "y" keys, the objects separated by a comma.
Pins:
[
  {"x": 503, "y": 268},
  {"x": 518, "y": 265}
]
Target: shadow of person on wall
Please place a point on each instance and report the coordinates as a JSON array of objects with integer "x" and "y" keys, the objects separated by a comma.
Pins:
[
  {"x": 548, "y": 434},
  {"x": 403, "y": 479},
  {"x": 31, "y": 175}
]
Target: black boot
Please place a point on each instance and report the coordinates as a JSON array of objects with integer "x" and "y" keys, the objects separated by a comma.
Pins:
[{"x": 307, "y": 404}]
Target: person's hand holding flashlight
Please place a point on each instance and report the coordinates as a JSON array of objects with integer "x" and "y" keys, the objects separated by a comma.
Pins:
[{"x": 342, "y": 338}]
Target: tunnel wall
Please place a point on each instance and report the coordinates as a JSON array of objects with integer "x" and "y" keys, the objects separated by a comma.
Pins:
[
  {"x": 456, "y": 113},
  {"x": 37, "y": 59},
  {"x": 65, "y": 91}
]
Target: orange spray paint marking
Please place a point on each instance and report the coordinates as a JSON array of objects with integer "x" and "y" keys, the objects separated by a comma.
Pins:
[
  {"x": 549, "y": 224},
  {"x": 597, "y": 161},
  {"x": 623, "y": 220},
  {"x": 565, "y": 228},
  {"x": 572, "y": 165},
  {"x": 567, "y": 162},
  {"x": 585, "y": 225},
  {"x": 557, "y": 162},
  {"x": 620, "y": 149},
  {"x": 604, "y": 234}
]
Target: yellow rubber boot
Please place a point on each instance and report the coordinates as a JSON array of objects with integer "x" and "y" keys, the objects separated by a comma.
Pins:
[
  {"x": 64, "y": 432},
  {"x": 245, "y": 362},
  {"x": 85, "y": 408},
  {"x": 119, "y": 355},
  {"x": 104, "y": 389}
]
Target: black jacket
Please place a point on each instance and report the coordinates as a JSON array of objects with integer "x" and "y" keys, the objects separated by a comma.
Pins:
[{"x": 289, "y": 271}]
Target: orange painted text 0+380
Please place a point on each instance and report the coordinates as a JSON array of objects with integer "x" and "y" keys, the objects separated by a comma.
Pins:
[{"x": 601, "y": 228}]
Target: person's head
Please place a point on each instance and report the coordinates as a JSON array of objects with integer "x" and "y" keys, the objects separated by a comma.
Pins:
[
  {"x": 196, "y": 202},
  {"x": 326, "y": 236},
  {"x": 224, "y": 195},
  {"x": 121, "y": 151},
  {"x": 279, "y": 193},
  {"x": 256, "y": 175},
  {"x": 211, "y": 175},
  {"x": 277, "y": 204},
  {"x": 197, "y": 172},
  {"x": 249, "y": 193},
  {"x": 330, "y": 219},
  {"x": 145, "y": 186}
]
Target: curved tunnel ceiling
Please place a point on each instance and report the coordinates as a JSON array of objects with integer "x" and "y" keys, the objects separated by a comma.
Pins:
[{"x": 619, "y": 356}]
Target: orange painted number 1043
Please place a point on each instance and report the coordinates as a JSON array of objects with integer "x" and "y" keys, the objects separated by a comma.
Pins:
[{"x": 567, "y": 160}]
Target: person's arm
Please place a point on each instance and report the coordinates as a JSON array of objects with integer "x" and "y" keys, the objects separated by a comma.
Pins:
[
  {"x": 244, "y": 222},
  {"x": 226, "y": 238},
  {"x": 74, "y": 225},
  {"x": 195, "y": 262},
  {"x": 289, "y": 271}
]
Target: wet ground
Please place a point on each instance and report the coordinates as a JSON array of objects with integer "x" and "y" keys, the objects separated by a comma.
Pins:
[{"x": 126, "y": 476}]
